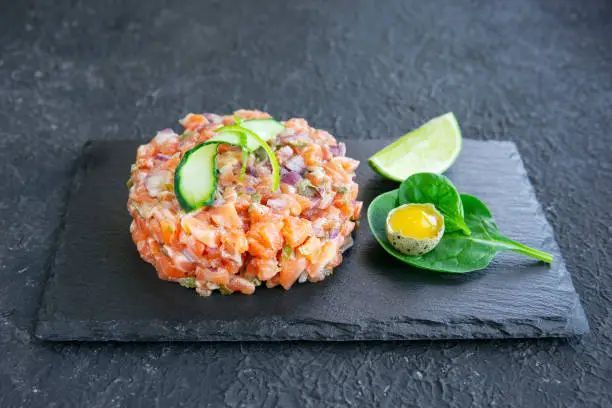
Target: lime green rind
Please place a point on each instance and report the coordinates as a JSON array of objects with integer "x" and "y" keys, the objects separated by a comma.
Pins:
[
  {"x": 382, "y": 162},
  {"x": 381, "y": 172},
  {"x": 245, "y": 155},
  {"x": 266, "y": 147}
]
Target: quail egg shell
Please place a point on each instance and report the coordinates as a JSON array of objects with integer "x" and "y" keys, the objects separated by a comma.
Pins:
[{"x": 415, "y": 229}]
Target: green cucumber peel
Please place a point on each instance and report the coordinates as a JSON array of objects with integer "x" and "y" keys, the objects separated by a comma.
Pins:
[
  {"x": 266, "y": 147},
  {"x": 195, "y": 178}
]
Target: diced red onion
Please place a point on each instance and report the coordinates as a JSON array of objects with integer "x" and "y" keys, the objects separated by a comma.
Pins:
[
  {"x": 213, "y": 118},
  {"x": 233, "y": 256},
  {"x": 338, "y": 149},
  {"x": 283, "y": 171},
  {"x": 326, "y": 201},
  {"x": 308, "y": 213},
  {"x": 251, "y": 171},
  {"x": 334, "y": 233},
  {"x": 317, "y": 225},
  {"x": 347, "y": 244},
  {"x": 315, "y": 201},
  {"x": 286, "y": 132},
  {"x": 284, "y": 153},
  {"x": 296, "y": 163},
  {"x": 145, "y": 210},
  {"x": 299, "y": 138},
  {"x": 162, "y": 157},
  {"x": 189, "y": 255},
  {"x": 157, "y": 182},
  {"x": 291, "y": 178},
  {"x": 303, "y": 277},
  {"x": 164, "y": 135},
  {"x": 250, "y": 189},
  {"x": 277, "y": 203}
]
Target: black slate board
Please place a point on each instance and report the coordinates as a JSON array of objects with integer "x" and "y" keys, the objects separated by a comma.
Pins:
[{"x": 99, "y": 289}]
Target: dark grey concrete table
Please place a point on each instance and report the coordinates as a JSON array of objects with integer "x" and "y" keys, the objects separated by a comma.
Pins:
[{"x": 538, "y": 72}]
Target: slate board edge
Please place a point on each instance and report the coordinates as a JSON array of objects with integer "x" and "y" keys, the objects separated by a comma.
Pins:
[
  {"x": 578, "y": 320},
  {"x": 303, "y": 331},
  {"x": 576, "y": 324},
  {"x": 75, "y": 174}
]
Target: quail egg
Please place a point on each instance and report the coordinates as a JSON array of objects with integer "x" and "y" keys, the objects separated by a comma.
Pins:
[{"x": 415, "y": 229}]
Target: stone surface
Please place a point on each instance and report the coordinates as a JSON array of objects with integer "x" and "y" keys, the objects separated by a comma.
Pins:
[
  {"x": 100, "y": 289},
  {"x": 533, "y": 71}
]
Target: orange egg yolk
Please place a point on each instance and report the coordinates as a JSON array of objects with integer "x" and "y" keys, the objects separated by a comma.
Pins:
[{"x": 416, "y": 221}]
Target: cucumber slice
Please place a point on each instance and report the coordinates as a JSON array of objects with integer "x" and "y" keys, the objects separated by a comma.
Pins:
[
  {"x": 195, "y": 179},
  {"x": 255, "y": 140},
  {"x": 230, "y": 137},
  {"x": 266, "y": 129}
]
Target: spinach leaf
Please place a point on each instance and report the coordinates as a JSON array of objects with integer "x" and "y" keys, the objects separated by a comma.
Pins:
[
  {"x": 456, "y": 252},
  {"x": 437, "y": 190}
]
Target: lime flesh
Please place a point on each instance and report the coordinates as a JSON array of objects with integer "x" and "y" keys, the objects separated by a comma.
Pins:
[{"x": 432, "y": 148}]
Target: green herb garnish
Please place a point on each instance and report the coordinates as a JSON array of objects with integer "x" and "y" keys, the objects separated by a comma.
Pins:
[
  {"x": 245, "y": 155},
  {"x": 187, "y": 133},
  {"x": 341, "y": 189},
  {"x": 287, "y": 252},
  {"x": 260, "y": 154},
  {"x": 189, "y": 282},
  {"x": 306, "y": 188}
]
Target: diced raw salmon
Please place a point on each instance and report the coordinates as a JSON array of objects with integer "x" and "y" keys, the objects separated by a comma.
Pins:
[
  {"x": 251, "y": 114},
  {"x": 258, "y": 213},
  {"x": 304, "y": 202},
  {"x": 310, "y": 249},
  {"x": 291, "y": 269},
  {"x": 265, "y": 239},
  {"x": 240, "y": 284},
  {"x": 347, "y": 228},
  {"x": 313, "y": 154},
  {"x": 345, "y": 163},
  {"x": 296, "y": 230},
  {"x": 327, "y": 253},
  {"x": 263, "y": 268},
  {"x": 285, "y": 203},
  {"x": 242, "y": 236},
  {"x": 225, "y": 216},
  {"x": 193, "y": 121},
  {"x": 205, "y": 233},
  {"x": 166, "y": 269},
  {"x": 214, "y": 275},
  {"x": 354, "y": 191},
  {"x": 358, "y": 207}
]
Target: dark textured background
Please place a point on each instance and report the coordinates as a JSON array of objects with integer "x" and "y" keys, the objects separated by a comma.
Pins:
[{"x": 538, "y": 72}]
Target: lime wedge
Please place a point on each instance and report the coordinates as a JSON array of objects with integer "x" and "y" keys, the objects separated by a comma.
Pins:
[{"x": 432, "y": 148}]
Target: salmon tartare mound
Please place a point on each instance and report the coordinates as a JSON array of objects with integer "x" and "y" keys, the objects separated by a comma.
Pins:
[{"x": 244, "y": 214}]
